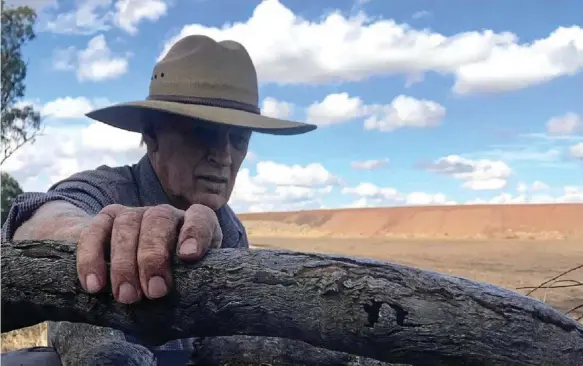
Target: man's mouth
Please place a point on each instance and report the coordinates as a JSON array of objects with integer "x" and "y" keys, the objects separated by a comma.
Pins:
[{"x": 213, "y": 178}]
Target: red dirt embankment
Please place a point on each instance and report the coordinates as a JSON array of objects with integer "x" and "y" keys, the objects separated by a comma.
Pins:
[{"x": 543, "y": 221}]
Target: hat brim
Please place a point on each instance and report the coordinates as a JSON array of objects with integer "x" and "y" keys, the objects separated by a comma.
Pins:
[{"x": 129, "y": 116}]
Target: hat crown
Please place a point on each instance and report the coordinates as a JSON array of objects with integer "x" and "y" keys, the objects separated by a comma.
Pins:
[{"x": 199, "y": 67}]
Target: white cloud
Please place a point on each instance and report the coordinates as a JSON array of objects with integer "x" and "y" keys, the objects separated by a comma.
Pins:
[
  {"x": 72, "y": 107},
  {"x": 568, "y": 124},
  {"x": 514, "y": 66},
  {"x": 131, "y": 12},
  {"x": 423, "y": 198},
  {"x": 482, "y": 174},
  {"x": 335, "y": 108},
  {"x": 371, "y": 191},
  {"x": 89, "y": 17},
  {"x": 65, "y": 150},
  {"x": 291, "y": 50},
  {"x": 269, "y": 172},
  {"x": 570, "y": 194},
  {"x": 403, "y": 111},
  {"x": 278, "y": 187},
  {"x": 272, "y": 107},
  {"x": 371, "y": 195},
  {"x": 369, "y": 164},
  {"x": 576, "y": 151},
  {"x": 94, "y": 63},
  {"x": 92, "y": 16},
  {"x": 536, "y": 186}
]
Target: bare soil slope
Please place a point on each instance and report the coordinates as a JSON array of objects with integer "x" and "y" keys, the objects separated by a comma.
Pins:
[{"x": 544, "y": 221}]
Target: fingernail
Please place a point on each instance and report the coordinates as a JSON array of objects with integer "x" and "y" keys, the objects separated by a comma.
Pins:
[
  {"x": 127, "y": 293},
  {"x": 157, "y": 287},
  {"x": 92, "y": 283},
  {"x": 189, "y": 247}
]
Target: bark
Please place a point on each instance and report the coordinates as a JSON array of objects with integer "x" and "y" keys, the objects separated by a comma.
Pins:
[
  {"x": 384, "y": 311},
  {"x": 253, "y": 350}
]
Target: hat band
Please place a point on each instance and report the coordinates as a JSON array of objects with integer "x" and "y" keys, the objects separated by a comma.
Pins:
[{"x": 211, "y": 102}]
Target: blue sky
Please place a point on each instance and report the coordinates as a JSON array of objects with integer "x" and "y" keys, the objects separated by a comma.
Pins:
[{"x": 418, "y": 102}]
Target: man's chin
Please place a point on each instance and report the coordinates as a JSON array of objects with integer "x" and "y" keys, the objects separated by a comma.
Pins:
[{"x": 211, "y": 200}]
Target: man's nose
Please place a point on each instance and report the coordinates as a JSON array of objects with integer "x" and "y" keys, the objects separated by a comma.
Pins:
[{"x": 220, "y": 150}]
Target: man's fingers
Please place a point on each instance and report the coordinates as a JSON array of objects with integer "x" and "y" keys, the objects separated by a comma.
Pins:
[
  {"x": 94, "y": 239},
  {"x": 158, "y": 236},
  {"x": 200, "y": 231},
  {"x": 124, "y": 245}
]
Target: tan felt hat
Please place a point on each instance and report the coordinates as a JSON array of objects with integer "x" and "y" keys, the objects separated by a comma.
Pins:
[{"x": 206, "y": 80}]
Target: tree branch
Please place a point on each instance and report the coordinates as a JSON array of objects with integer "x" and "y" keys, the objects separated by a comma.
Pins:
[
  {"x": 252, "y": 350},
  {"x": 384, "y": 311}
]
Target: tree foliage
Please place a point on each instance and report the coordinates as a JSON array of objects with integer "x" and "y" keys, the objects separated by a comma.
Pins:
[
  {"x": 10, "y": 189},
  {"x": 20, "y": 123}
]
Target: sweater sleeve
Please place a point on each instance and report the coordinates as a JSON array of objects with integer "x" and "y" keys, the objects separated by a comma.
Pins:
[{"x": 88, "y": 190}]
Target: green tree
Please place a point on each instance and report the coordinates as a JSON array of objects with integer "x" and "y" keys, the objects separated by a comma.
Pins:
[
  {"x": 20, "y": 124},
  {"x": 10, "y": 189}
]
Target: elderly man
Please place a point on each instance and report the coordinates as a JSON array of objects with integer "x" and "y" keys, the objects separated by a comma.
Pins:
[{"x": 196, "y": 123}]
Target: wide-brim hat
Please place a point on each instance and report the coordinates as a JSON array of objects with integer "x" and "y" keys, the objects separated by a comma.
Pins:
[{"x": 205, "y": 80}]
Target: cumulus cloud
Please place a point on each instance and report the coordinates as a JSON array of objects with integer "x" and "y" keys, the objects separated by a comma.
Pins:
[
  {"x": 572, "y": 194},
  {"x": 371, "y": 195},
  {"x": 335, "y": 108},
  {"x": 403, "y": 111},
  {"x": 565, "y": 125},
  {"x": 535, "y": 186},
  {"x": 72, "y": 107},
  {"x": 95, "y": 63},
  {"x": 289, "y": 49},
  {"x": 272, "y": 107},
  {"x": 314, "y": 174},
  {"x": 482, "y": 174},
  {"x": 369, "y": 164},
  {"x": 67, "y": 149},
  {"x": 129, "y": 13},
  {"x": 278, "y": 187},
  {"x": 93, "y": 16}
]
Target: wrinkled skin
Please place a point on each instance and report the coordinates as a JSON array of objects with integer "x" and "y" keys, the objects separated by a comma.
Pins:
[{"x": 197, "y": 166}]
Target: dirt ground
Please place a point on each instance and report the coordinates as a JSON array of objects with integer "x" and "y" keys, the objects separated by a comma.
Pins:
[{"x": 508, "y": 245}]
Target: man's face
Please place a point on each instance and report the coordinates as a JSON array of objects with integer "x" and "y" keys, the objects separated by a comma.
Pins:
[{"x": 198, "y": 163}]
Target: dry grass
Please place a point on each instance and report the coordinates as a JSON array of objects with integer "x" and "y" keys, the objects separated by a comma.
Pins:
[{"x": 530, "y": 266}]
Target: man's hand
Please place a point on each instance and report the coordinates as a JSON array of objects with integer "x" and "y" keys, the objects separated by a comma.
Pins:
[{"x": 143, "y": 241}]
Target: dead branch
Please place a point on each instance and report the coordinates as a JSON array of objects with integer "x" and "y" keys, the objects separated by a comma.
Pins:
[
  {"x": 554, "y": 278},
  {"x": 251, "y": 350},
  {"x": 384, "y": 311}
]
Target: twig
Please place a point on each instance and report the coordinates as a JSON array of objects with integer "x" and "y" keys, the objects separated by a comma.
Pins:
[{"x": 554, "y": 278}]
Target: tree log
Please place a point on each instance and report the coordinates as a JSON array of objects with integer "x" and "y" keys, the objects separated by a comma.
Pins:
[
  {"x": 385, "y": 311},
  {"x": 253, "y": 350}
]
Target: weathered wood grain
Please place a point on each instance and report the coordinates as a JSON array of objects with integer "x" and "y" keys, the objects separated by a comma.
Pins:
[
  {"x": 254, "y": 350},
  {"x": 384, "y": 311}
]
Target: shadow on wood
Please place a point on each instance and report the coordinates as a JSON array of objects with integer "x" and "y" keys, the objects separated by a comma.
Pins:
[{"x": 382, "y": 311}]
